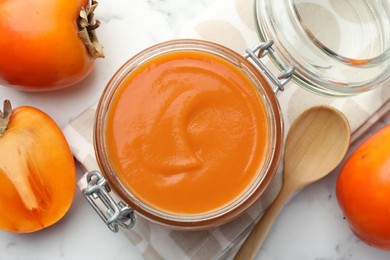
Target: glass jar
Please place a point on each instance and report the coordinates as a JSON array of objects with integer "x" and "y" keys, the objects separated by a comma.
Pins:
[
  {"x": 338, "y": 47},
  {"x": 118, "y": 214}
]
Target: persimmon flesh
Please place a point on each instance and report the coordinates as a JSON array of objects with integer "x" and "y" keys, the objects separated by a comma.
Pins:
[
  {"x": 47, "y": 45},
  {"x": 37, "y": 171}
]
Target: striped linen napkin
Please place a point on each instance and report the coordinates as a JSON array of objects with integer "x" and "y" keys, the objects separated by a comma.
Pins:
[{"x": 231, "y": 23}]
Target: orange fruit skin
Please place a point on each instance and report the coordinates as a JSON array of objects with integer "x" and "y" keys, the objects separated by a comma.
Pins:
[
  {"x": 40, "y": 49},
  {"x": 363, "y": 190}
]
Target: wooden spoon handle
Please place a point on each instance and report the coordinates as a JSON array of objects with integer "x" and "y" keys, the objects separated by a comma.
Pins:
[{"x": 257, "y": 236}]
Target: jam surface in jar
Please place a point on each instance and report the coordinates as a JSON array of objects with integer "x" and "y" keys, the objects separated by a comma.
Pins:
[{"x": 187, "y": 132}]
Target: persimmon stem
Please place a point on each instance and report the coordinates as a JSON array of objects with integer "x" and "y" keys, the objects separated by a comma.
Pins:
[
  {"x": 87, "y": 26},
  {"x": 5, "y": 116}
]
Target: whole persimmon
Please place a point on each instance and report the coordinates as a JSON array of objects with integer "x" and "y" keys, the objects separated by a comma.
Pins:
[
  {"x": 47, "y": 44},
  {"x": 363, "y": 190},
  {"x": 37, "y": 170}
]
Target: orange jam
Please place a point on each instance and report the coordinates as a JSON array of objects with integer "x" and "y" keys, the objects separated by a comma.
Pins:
[{"x": 187, "y": 132}]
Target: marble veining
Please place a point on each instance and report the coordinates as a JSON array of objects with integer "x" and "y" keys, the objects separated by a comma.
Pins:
[{"x": 178, "y": 13}]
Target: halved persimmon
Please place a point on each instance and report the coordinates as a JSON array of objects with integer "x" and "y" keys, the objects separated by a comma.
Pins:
[{"x": 37, "y": 170}]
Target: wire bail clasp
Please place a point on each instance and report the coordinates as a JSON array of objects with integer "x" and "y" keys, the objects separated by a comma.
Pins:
[
  {"x": 114, "y": 214},
  {"x": 263, "y": 49}
]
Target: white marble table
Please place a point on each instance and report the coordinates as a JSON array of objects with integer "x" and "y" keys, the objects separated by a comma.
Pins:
[{"x": 310, "y": 227}]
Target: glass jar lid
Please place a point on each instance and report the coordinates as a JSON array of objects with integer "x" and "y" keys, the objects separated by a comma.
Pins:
[{"x": 338, "y": 47}]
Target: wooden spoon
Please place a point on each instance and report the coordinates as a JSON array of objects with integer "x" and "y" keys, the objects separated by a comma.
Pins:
[{"x": 316, "y": 143}]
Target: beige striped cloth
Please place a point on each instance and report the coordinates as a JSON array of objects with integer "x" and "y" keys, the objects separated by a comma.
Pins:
[{"x": 231, "y": 23}]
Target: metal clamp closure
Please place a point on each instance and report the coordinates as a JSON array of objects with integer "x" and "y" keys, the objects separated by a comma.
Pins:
[
  {"x": 263, "y": 49},
  {"x": 114, "y": 214}
]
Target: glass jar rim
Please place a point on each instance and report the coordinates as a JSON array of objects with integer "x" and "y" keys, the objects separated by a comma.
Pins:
[{"x": 245, "y": 200}]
